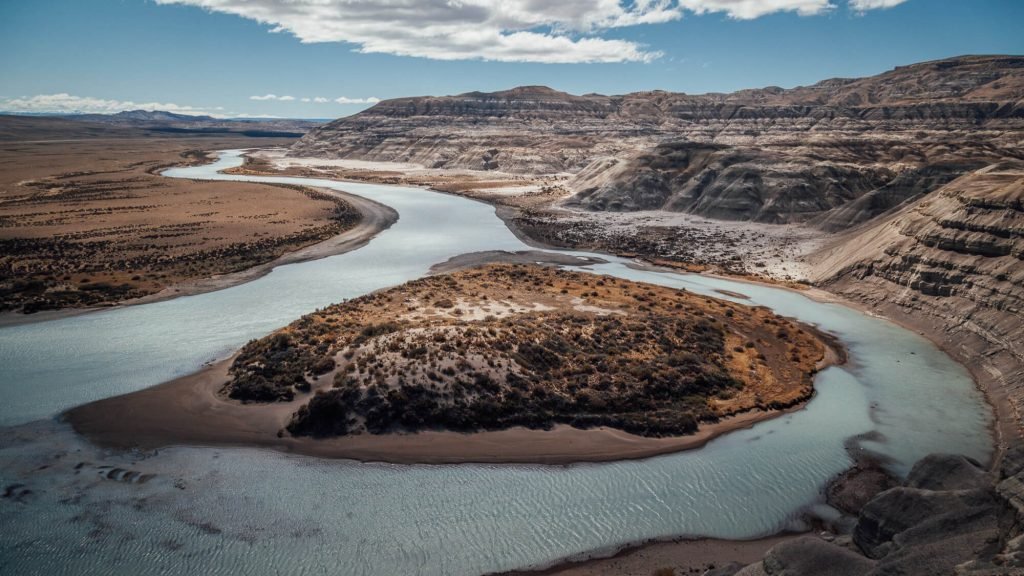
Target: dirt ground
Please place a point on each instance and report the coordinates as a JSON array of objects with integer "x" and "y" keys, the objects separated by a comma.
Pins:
[{"x": 90, "y": 222}]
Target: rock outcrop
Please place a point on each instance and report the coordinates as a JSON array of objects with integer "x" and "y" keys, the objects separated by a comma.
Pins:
[
  {"x": 530, "y": 129},
  {"x": 813, "y": 555},
  {"x": 952, "y": 265},
  {"x": 725, "y": 182},
  {"x": 970, "y": 523}
]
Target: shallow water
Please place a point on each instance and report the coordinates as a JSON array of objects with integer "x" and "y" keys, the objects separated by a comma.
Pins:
[{"x": 253, "y": 511}]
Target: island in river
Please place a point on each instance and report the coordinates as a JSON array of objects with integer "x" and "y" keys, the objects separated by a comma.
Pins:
[{"x": 500, "y": 363}]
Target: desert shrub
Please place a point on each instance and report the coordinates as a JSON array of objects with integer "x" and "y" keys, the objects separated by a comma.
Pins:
[
  {"x": 323, "y": 365},
  {"x": 375, "y": 330}
]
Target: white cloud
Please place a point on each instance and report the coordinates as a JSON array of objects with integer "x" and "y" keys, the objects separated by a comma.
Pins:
[
  {"x": 318, "y": 99},
  {"x": 64, "y": 103},
  {"x": 546, "y": 31},
  {"x": 750, "y": 9},
  {"x": 862, "y": 5},
  {"x": 345, "y": 100},
  {"x": 273, "y": 97},
  {"x": 500, "y": 30}
]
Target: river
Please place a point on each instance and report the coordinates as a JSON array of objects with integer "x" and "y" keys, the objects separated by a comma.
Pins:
[{"x": 243, "y": 510}]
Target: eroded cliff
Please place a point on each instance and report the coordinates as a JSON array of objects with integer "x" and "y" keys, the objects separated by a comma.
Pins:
[
  {"x": 836, "y": 153},
  {"x": 950, "y": 264}
]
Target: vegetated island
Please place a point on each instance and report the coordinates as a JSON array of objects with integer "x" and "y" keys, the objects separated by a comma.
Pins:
[{"x": 502, "y": 363}]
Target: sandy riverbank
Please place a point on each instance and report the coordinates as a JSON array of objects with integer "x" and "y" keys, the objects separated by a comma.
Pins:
[
  {"x": 374, "y": 218},
  {"x": 994, "y": 370},
  {"x": 686, "y": 556},
  {"x": 190, "y": 411},
  {"x": 532, "y": 206}
]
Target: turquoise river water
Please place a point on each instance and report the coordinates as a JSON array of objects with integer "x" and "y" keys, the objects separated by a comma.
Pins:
[{"x": 251, "y": 511}]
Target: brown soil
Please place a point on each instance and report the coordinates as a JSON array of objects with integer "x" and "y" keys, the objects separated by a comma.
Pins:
[{"x": 90, "y": 222}]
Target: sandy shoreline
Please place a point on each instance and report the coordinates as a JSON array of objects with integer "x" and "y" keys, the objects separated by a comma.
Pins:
[
  {"x": 376, "y": 218},
  {"x": 190, "y": 411},
  {"x": 688, "y": 555}
]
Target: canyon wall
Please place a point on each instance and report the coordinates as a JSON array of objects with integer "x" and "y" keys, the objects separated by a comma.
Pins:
[
  {"x": 834, "y": 154},
  {"x": 951, "y": 265}
]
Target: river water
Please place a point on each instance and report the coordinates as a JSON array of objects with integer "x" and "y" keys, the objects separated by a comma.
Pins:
[{"x": 239, "y": 510}]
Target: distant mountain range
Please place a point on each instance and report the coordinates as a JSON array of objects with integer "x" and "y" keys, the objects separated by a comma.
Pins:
[{"x": 171, "y": 122}]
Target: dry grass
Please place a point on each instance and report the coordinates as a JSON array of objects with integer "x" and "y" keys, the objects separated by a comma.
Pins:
[
  {"x": 508, "y": 345},
  {"x": 89, "y": 222}
]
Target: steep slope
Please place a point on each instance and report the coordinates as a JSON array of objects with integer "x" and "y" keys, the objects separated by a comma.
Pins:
[
  {"x": 822, "y": 185},
  {"x": 951, "y": 264},
  {"x": 484, "y": 131},
  {"x": 725, "y": 182},
  {"x": 837, "y": 153}
]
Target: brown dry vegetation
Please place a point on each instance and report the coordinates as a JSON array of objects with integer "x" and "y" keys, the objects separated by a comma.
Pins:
[
  {"x": 517, "y": 345},
  {"x": 90, "y": 222}
]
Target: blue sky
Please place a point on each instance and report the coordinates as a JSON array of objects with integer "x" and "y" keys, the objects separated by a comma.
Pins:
[{"x": 216, "y": 55}]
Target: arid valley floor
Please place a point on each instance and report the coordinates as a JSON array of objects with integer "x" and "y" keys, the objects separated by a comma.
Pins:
[{"x": 898, "y": 196}]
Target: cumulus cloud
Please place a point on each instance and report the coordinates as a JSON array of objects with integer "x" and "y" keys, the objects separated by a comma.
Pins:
[
  {"x": 64, "y": 103},
  {"x": 750, "y": 9},
  {"x": 498, "y": 30},
  {"x": 317, "y": 99},
  {"x": 566, "y": 31}
]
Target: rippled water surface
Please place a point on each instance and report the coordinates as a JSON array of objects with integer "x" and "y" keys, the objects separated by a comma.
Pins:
[{"x": 250, "y": 511}]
